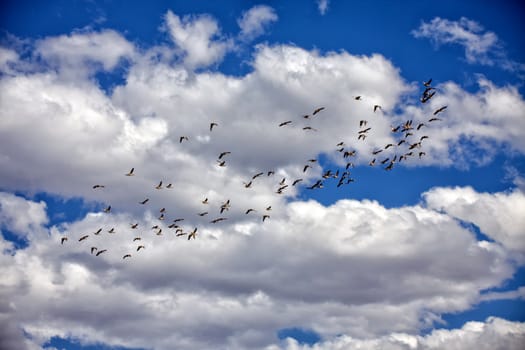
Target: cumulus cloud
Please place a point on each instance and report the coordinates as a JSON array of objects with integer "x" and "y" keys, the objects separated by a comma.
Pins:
[
  {"x": 494, "y": 333},
  {"x": 254, "y": 21},
  {"x": 242, "y": 282},
  {"x": 85, "y": 52},
  {"x": 481, "y": 46},
  {"x": 498, "y": 215},
  {"x": 354, "y": 267},
  {"x": 198, "y": 38}
]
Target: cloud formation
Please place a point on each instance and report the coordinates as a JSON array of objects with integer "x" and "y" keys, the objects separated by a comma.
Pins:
[{"x": 254, "y": 21}]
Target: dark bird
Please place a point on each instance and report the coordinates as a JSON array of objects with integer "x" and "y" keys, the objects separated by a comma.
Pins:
[
  {"x": 162, "y": 210},
  {"x": 414, "y": 145},
  {"x": 159, "y": 232},
  {"x": 357, "y": 98},
  {"x": 108, "y": 209},
  {"x": 317, "y": 110},
  {"x": 169, "y": 186},
  {"x": 361, "y": 136},
  {"x": 421, "y": 154},
  {"x": 377, "y": 151},
  {"x": 285, "y": 123},
  {"x": 131, "y": 172},
  {"x": 193, "y": 234},
  {"x": 140, "y": 247},
  {"x": 249, "y": 211},
  {"x": 408, "y": 134},
  {"x": 265, "y": 217},
  {"x": 223, "y": 154},
  {"x": 144, "y": 201},
  {"x": 372, "y": 162},
  {"x": 389, "y": 145},
  {"x": 136, "y": 239},
  {"x": 340, "y": 144},
  {"x": 427, "y": 83},
  {"x": 270, "y": 173},
  {"x": 93, "y": 249},
  {"x": 376, "y": 107},
  {"x": 159, "y": 186},
  {"x": 348, "y": 165},
  {"x": 362, "y": 123},
  {"x": 433, "y": 119},
  {"x": 268, "y": 208},
  {"x": 420, "y": 125},
  {"x": 161, "y": 217},
  {"x": 318, "y": 184},
  {"x": 341, "y": 149},
  {"x": 212, "y": 125},
  {"x": 98, "y": 231},
  {"x": 280, "y": 189},
  {"x": 203, "y": 213},
  {"x": 221, "y": 163},
  {"x": 98, "y": 186},
  {"x": 112, "y": 230},
  {"x": 182, "y": 138},
  {"x": 296, "y": 182},
  {"x": 349, "y": 154},
  {"x": 154, "y": 227},
  {"x": 83, "y": 238},
  {"x": 364, "y": 131},
  {"x": 205, "y": 201},
  {"x": 62, "y": 240},
  {"x": 441, "y": 109},
  {"x": 247, "y": 184},
  {"x": 309, "y": 128},
  {"x": 256, "y": 175},
  {"x": 395, "y": 129},
  {"x": 423, "y": 137},
  {"x": 126, "y": 256},
  {"x": 313, "y": 160},
  {"x": 214, "y": 221},
  {"x": 134, "y": 226},
  {"x": 101, "y": 251},
  {"x": 177, "y": 220},
  {"x": 427, "y": 97},
  {"x": 385, "y": 160},
  {"x": 401, "y": 142},
  {"x": 389, "y": 166}
]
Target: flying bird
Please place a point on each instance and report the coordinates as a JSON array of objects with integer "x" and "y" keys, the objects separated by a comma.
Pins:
[
  {"x": 141, "y": 247},
  {"x": 285, "y": 123},
  {"x": 247, "y": 184},
  {"x": 183, "y": 138},
  {"x": 265, "y": 217},
  {"x": 159, "y": 186},
  {"x": 137, "y": 239},
  {"x": 131, "y": 172},
  {"x": 108, "y": 209},
  {"x": 83, "y": 238},
  {"x": 296, "y": 182},
  {"x": 98, "y": 186},
  {"x": 212, "y": 125},
  {"x": 223, "y": 154},
  {"x": 126, "y": 256},
  {"x": 427, "y": 83},
  {"x": 193, "y": 234},
  {"x": 221, "y": 163},
  {"x": 98, "y": 231},
  {"x": 62, "y": 240},
  {"x": 271, "y": 172},
  {"x": 376, "y": 107},
  {"x": 205, "y": 201},
  {"x": 249, "y": 211},
  {"x": 309, "y": 128},
  {"x": 144, "y": 201},
  {"x": 306, "y": 167},
  {"x": 162, "y": 210},
  {"x": 433, "y": 119},
  {"x": 112, "y": 230},
  {"x": 357, "y": 98},
  {"x": 256, "y": 176},
  {"x": 93, "y": 249},
  {"x": 203, "y": 213},
  {"x": 169, "y": 186},
  {"x": 101, "y": 251},
  {"x": 441, "y": 109},
  {"x": 362, "y": 123},
  {"x": 214, "y": 221},
  {"x": 317, "y": 110},
  {"x": 134, "y": 226}
]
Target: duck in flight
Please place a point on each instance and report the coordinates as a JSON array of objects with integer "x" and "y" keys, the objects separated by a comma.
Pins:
[{"x": 130, "y": 173}]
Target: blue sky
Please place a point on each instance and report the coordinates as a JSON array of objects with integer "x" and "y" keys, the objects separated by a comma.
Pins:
[{"x": 429, "y": 254}]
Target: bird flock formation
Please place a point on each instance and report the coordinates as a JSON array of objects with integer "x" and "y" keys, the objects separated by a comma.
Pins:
[{"x": 408, "y": 144}]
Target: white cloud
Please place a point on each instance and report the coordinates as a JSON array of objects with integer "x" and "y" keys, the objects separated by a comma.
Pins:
[
  {"x": 481, "y": 47},
  {"x": 494, "y": 333},
  {"x": 322, "y": 5},
  {"x": 499, "y": 216},
  {"x": 198, "y": 38},
  {"x": 77, "y": 53},
  {"x": 353, "y": 268},
  {"x": 21, "y": 216},
  {"x": 254, "y": 21}
]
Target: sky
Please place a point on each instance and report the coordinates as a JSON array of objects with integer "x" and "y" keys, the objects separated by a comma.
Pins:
[{"x": 348, "y": 175}]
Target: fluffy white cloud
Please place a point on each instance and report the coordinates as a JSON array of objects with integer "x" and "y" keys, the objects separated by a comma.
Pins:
[
  {"x": 198, "y": 38},
  {"x": 352, "y": 268},
  {"x": 21, "y": 216},
  {"x": 254, "y": 21},
  {"x": 494, "y": 333},
  {"x": 79, "y": 53},
  {"x": 499, "y": 216}
]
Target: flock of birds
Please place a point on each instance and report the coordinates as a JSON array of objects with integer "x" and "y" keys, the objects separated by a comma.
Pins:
[{"x": 408, "y": 143}]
